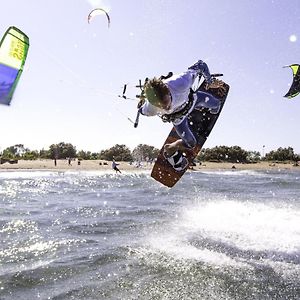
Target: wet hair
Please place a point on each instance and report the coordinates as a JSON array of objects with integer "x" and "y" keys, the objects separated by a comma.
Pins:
[{"x": 155, "y": 90}]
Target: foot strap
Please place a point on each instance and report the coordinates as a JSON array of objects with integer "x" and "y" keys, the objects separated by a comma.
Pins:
[{"x": 177, "y": 161}]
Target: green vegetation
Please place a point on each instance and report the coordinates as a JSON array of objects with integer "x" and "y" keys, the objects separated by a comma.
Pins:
[
  {"x": 282, "y": 154},
  {"x": 142, "y": 152},
  {"x": 236, "y": 154},
  {"x": 224, "y": 153},
  {"x": 117, "y": 152}
]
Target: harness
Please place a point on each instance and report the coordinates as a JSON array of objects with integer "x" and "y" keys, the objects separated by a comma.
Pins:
[{"x": 178, "y": 114}]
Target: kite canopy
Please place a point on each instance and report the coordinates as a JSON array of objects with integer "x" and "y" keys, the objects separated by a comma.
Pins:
[
  {"x": 13, "y": 51},
  {"x": 96, "y": 12},
  {"x": 295, "y": 87}
]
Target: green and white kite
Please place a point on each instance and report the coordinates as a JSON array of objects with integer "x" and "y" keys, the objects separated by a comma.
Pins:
[{"x": 13, "y": 52}]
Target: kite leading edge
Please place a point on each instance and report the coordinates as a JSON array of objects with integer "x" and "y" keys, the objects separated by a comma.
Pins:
[{"x": 96, "y": 12}]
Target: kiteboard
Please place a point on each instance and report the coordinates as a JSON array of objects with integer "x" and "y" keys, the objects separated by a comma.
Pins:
[{"x": 202, "y": 123}]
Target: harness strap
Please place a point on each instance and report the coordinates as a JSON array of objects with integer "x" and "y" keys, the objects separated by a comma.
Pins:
[{"x": 178, "y": 114}]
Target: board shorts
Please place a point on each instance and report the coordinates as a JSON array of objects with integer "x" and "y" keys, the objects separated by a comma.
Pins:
[{"x": 204, "y": 100}]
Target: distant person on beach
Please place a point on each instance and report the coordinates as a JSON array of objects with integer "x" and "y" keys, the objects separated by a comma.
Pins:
[{"x": 114, "y": 165}]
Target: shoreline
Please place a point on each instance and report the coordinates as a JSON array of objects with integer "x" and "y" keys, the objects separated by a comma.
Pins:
[{"x": 101, "y": 165}]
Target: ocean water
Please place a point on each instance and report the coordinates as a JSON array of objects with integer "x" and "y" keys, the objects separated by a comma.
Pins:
[{"x": 94, "y": 235}]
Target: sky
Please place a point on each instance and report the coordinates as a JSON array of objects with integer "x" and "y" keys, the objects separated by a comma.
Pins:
[{"x": 74, "y": 71}]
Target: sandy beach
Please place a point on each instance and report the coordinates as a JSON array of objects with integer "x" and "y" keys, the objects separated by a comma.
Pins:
[{"x": 63, "y": 165}]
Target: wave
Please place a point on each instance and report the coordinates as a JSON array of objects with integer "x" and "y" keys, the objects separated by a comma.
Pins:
[
  {"x": 234, "y": 172},
  {"x": 230, "y": 233},
  {"x": 26, "y": 174},
  {"x": 38, "y": 173}
]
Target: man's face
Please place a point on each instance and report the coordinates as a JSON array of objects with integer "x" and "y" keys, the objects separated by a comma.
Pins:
[{"x": 165, "y": 103}]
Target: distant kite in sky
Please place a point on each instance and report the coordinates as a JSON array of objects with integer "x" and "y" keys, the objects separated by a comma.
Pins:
[
  {"x": 96, "y": 12},
  {"x": 295, "y": 87},
  {"x": 13, "y": 51}
]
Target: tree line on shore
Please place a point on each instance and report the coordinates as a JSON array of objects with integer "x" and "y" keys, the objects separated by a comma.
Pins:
[{"x": 143, "y": 152}]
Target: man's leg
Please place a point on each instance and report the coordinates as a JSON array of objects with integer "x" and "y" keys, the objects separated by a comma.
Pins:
[
  {"x": 208, "y": 101},
  {"x": 187, "y": 141}
]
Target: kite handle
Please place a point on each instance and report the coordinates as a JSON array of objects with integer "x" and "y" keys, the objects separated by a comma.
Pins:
[
  {"x": 136, "y": 123},
  {"x": 216, "y": 75}
]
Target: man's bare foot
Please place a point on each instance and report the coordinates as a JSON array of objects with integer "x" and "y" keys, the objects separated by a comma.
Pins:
[{"x": 170, "y": 149}]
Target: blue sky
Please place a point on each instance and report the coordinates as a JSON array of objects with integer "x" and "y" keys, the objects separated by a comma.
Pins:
[{"x": 75, "y": 70}]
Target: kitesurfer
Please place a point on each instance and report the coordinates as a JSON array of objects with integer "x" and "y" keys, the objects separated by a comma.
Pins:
[
  {"x": 114, "y": 166},
  {"x": 173, "y": 100}
]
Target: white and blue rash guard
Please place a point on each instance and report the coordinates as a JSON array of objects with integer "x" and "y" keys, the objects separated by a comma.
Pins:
[{"x": 179, "y": 87}]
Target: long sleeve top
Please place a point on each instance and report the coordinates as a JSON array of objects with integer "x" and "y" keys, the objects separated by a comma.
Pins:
[{"x": 179, "y": 86}]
